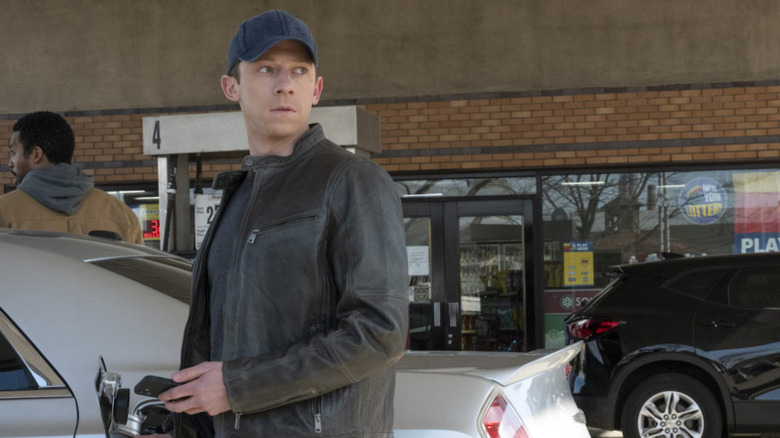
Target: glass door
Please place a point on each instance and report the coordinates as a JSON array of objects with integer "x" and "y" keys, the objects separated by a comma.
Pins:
[
  {"x": 492, "y": 286},
  {"x": 418, "y": 251},
  {"x": 468, "y": 266}
]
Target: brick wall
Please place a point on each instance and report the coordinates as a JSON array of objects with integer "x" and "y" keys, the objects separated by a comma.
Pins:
[
  {"x": 737, "y": 124},
  {"x": 108, "y": 147}
]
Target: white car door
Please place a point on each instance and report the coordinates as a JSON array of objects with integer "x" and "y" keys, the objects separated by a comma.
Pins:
[{"x": 33, "y": 399}]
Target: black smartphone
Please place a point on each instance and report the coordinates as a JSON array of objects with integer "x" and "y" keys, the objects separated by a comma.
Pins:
[{"x": 152, "y": 386}]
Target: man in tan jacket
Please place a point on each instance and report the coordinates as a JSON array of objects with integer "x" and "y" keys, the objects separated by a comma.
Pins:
[{"x": 54, "y": 195}]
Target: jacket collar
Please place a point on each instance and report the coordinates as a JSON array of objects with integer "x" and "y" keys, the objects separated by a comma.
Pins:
[{"x": 303, "y": 145}]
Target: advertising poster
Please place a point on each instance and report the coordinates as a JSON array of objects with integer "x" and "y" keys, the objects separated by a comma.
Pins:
[
  {"x": 578, "y": 264},
  {"x": 756, "y": 212},
  {"x": 702, "y": 201}
]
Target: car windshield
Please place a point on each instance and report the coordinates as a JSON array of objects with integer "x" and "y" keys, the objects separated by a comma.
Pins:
[{"x": 167, "y": 275}]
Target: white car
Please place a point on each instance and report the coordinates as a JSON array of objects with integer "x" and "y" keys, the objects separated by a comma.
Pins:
[
  {"x": 486, "y": 394},
  {"x": 83, "y": 320}
]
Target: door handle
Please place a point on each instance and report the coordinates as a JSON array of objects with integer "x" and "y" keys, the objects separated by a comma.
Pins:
[
  {"x": 720, "y": 323},
  {"x": 436, "y": 314},
  {"x": 454, "y": 315}
]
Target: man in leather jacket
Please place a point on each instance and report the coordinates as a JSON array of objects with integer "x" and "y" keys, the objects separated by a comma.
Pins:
[{"x": 299, "y": 308}]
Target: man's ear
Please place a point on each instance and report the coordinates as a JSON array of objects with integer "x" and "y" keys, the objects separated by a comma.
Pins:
[
  {"x": 37, "y": 156},
  {"x": 317, "y": 91},
  {"x": 230, "y": 87}
]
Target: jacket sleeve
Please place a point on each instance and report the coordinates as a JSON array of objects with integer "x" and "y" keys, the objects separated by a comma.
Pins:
[{"x": 367, "y": 259}]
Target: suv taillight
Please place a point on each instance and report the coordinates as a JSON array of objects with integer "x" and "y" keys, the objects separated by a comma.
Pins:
[
  {"x": 586, "y": 328},
  {"x": 501, "y": 420}
]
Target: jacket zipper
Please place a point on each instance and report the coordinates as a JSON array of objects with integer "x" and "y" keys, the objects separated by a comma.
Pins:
[
  {"x": 244, "y": 223},
  {"x": 253, "y": 234},
  {"x": 317, "y": 423},
  {"x": 318, "y": 415}
]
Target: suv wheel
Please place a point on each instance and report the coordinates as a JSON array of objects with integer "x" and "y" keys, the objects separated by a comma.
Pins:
[{"x": 671, "y": 406}]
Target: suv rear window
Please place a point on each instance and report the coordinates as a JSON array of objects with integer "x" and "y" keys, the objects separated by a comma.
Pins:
[
  {"x": 756, "y": 287},
  {"x": 697, "y": 283}
]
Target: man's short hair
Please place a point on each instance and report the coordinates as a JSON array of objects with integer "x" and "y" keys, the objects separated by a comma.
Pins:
[{"x": 49, "y": 131}]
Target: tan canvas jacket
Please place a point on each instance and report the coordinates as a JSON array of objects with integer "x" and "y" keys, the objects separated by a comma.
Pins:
[{"x": 99, "y": 211}]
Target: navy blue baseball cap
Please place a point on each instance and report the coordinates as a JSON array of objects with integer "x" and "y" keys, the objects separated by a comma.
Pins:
[{"x": 261, "y": 32}]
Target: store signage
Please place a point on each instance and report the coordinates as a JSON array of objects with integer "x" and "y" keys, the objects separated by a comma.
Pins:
[
  {"x": 348, "y": 126},
  {"x": 578, "y": 264},
  {"x": 756, "y": 212},
  {"x": 565, "y": 301},
  {"x": 558, "y": 304},
  {"x": 417, "y": 259},
  {"x": 702, "y": 201}
]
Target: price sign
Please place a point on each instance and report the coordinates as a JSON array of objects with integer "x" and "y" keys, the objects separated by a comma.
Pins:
[
  {"x": 205, "y": 209},
  {"x": 150, "y": 221}
]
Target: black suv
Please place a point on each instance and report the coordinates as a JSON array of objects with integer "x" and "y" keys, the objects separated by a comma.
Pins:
[{"x": 686, "y": 347}]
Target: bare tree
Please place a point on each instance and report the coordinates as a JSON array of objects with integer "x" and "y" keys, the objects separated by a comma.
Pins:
[{"x": 617, "y": 197}]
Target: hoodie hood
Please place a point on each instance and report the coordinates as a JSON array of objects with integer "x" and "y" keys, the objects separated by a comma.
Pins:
[{"x": 61, "y": 187}]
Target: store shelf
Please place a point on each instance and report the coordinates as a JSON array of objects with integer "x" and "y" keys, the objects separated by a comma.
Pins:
[{"x": 492, "y": 281}]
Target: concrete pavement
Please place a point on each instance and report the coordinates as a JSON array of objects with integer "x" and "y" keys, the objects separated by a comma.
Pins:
[{"x": 599, "y": 433}]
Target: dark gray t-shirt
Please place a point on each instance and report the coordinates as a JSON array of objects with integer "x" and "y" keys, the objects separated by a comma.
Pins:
[{"x": 221, "y": 253}]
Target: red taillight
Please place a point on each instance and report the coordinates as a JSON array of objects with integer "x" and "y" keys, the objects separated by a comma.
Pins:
[
  {"x": 586, "y": 328},
  {"x": 501, "y": 420},
  {"x": 567, "y": 370}
]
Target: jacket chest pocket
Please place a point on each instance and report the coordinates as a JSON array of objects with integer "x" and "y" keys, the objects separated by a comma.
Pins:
[
  {"x": 284, "y": 226},
  {"x": 286, "y": 246}
]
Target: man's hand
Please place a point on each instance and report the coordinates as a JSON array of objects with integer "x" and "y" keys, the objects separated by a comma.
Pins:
[{"x": 202, "y": 390}]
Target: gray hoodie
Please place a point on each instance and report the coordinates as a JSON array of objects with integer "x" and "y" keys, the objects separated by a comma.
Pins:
[{"x": 61, "y": 187}]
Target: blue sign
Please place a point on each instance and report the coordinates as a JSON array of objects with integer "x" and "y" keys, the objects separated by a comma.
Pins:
[
  {"x": 703, "y": 201},
  {"x": 747, "y": 243}
]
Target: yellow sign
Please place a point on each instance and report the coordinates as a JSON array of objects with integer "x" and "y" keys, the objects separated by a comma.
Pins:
[{"x": 578, "y": 264}]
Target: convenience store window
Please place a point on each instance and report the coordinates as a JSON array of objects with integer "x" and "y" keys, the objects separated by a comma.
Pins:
[{"x": 594, "y": 221}]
